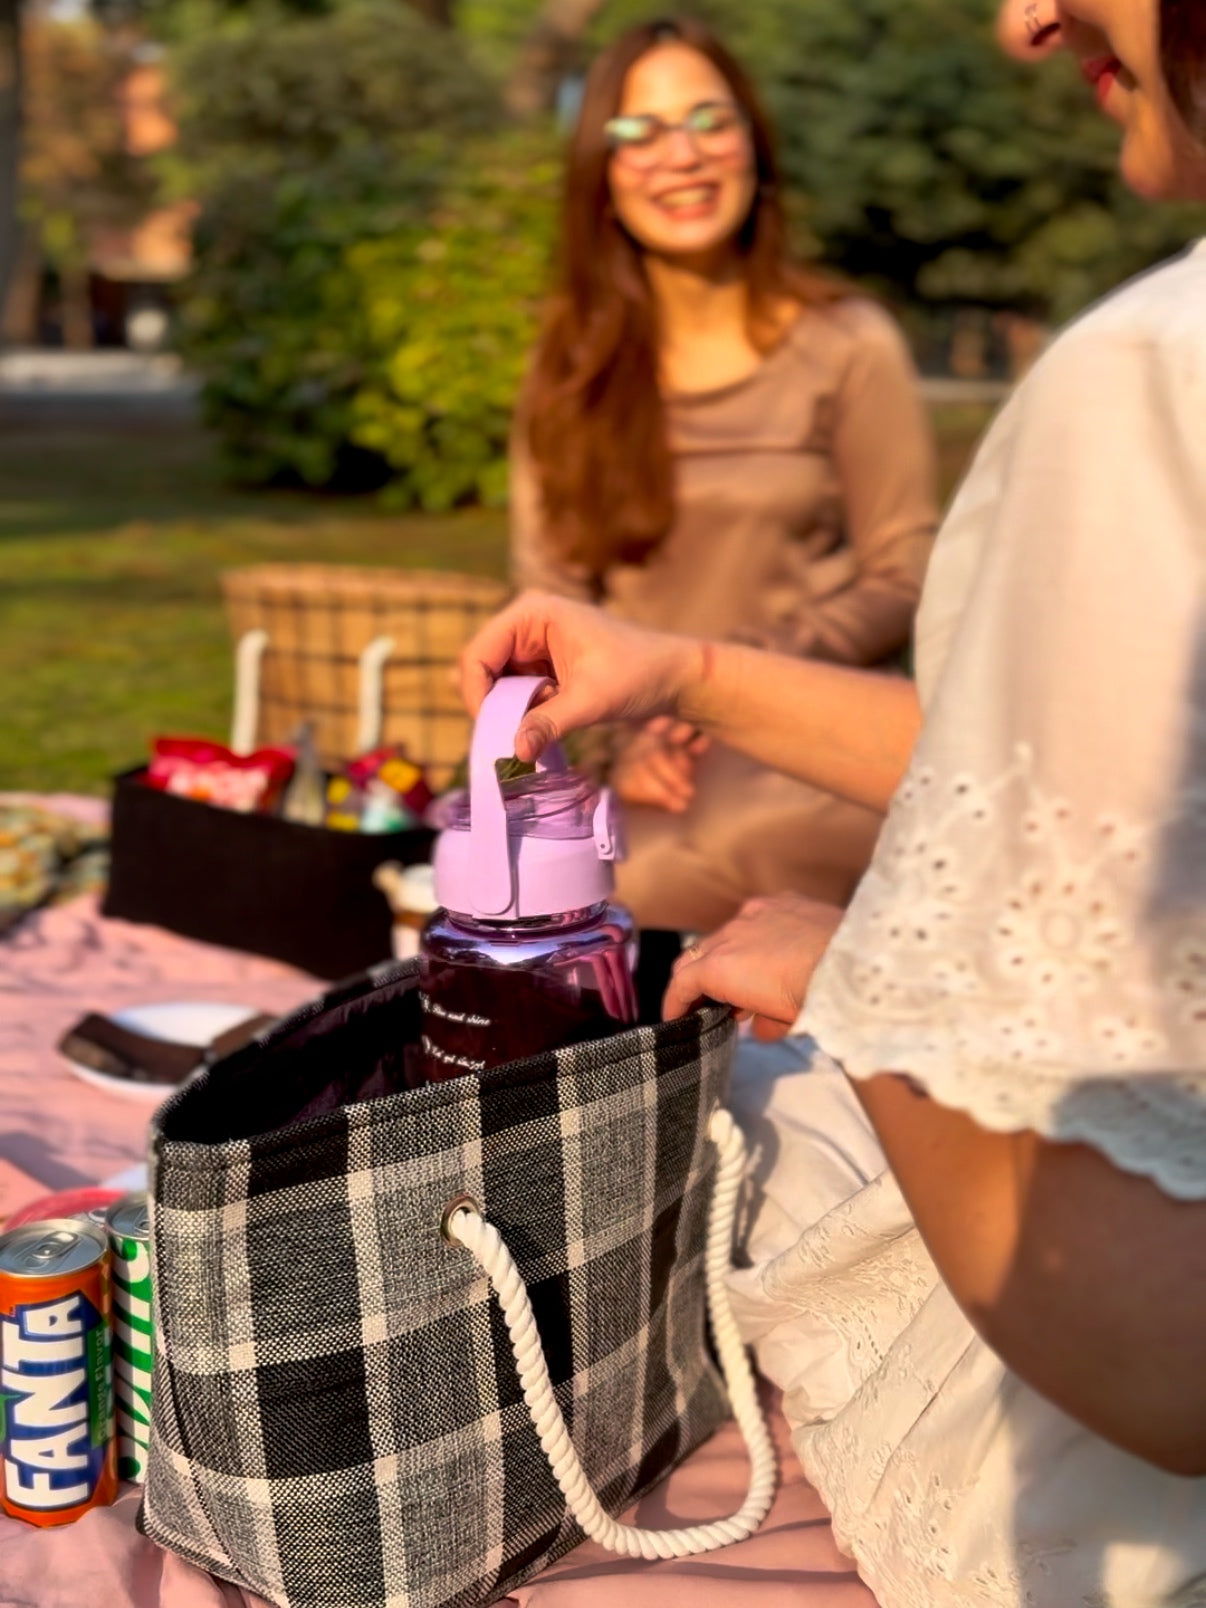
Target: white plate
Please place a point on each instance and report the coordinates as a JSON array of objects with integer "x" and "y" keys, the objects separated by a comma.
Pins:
[{"x": 183, "y": 1021}]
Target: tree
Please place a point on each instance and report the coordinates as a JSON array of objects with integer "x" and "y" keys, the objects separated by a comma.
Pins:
[
  {"x": 437, "y": 11},
  {"x": 10, "y": 137},
  {"x": 77, "y": 172},
  {"x": 308, "y": 140},
  {"x": 552, "y": 48},
  {"x": 274, "y": 92}
]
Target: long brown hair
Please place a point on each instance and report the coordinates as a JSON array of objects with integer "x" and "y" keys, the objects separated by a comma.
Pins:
[
  {"x": 592, "y": 409},
  {"x": 1183, "y": 57}
]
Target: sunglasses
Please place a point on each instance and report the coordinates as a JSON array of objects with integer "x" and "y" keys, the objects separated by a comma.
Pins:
[{"x": 715, "y": 129}]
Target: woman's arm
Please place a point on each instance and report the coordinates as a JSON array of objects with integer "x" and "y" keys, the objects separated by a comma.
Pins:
[
  {"x": 1089, "y": 1282},
  {"x": 1028, "y": 946},
  {"x": 883, "y": 450},
  {"x": 848, "y": 731}
]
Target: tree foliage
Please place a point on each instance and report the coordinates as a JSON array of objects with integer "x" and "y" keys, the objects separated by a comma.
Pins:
[
  {"x": 271, "y": 91},
  {"x": 450, "y": 310},
  {"x": 369, "y": 261}
]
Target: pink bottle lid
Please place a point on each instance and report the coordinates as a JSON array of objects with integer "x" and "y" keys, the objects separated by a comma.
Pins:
[{"x": 535, "y": 846}]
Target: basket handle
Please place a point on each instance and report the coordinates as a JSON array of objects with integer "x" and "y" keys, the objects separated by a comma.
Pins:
[
  {"x": 249, "y": 657},
  {"x": 464, "y": 1225},
  {"x": 371, "y": 708}
]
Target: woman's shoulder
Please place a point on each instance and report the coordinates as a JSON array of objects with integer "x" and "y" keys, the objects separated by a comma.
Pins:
[
  {"x": 1156, "y": 320},
  {"x": 846, "y": 329}
]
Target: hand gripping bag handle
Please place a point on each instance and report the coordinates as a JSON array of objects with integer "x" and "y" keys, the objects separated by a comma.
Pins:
[{"x": 464, "y": 1225}]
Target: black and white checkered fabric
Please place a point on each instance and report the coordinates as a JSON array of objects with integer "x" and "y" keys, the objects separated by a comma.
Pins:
[{"x": 337, "y": 1422}]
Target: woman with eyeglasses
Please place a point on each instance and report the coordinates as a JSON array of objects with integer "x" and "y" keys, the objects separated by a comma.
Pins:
[
  {"x": 715, "y": 441},
  {"x": 976, "y": 1262}
]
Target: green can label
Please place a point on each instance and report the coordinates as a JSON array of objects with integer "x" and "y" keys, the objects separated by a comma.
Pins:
[{"x": 133, "y": 1351}]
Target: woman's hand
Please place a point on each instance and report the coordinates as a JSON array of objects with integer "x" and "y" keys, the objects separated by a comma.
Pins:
[
  {"x": 761, "y": 962},
  {"x": 656, "y": 767},
  {"x": 605, "y": 669}
]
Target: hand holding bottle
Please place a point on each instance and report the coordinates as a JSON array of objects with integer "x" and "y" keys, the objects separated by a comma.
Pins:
[{"x": 605, "y": 669}]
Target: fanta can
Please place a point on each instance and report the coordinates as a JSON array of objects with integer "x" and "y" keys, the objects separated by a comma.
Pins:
[{"x": 56, "y": 1381}]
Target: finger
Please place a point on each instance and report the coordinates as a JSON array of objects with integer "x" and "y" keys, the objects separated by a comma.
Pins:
[
  {"x": 647, "y": 791},
  {"x": 755, "y": 906},
  {"x": 476, "y": 674},
  {"x": 694, "y": 976},
  {"x": 682, "y": 734},
  {"x": 670, "y": 778},
  {"x": 550, "y": 721},
  {"x": 767, "y": 1029},
  {"x": 694, "y": 951},
  {"x": 684, "y": 992},
  {"x": 517, "y": 638},
  {"x": 647, "y": 780},
  {"x": 487, "y": 658}
]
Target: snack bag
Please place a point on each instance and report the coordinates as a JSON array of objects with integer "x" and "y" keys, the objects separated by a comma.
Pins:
[
  {"x": 197, "y": 768},
  {"x": 381, "y": 791}
]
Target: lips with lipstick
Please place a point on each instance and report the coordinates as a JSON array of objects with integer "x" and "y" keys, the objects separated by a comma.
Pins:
[
  {"x": 689, "y": 200},
  {"x": 1101, "y": 72}
]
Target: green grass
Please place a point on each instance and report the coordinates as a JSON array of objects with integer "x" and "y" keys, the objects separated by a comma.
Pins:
[{"x": 112, "y": 540}]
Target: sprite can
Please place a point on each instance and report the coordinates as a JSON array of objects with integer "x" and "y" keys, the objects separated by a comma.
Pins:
[{"x": 129, "y": 1233}]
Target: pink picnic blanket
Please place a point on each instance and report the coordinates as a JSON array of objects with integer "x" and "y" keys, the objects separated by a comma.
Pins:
[{"x": 57, "y": 1132}]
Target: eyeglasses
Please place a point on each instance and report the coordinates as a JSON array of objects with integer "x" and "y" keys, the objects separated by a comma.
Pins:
[{"x": 715, "y": 129}]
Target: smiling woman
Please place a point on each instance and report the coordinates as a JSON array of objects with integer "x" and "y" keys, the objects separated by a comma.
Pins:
[{"x": 715, "y": 439}]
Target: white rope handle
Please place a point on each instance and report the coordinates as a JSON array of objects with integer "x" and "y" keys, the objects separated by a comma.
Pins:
[
  {"x": 371, "y": 700},
  {"x": 249, "y": 653},
  {"x": 467, "y": 1227}
]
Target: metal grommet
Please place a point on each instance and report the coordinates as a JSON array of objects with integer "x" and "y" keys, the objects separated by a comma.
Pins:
[{"x": 457, "y": 1204}]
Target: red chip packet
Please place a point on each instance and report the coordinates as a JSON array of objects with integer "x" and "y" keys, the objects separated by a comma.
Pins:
[{"x": 198, "y": 768}]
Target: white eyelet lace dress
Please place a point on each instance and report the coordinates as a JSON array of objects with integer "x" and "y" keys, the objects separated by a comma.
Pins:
[{"x": 1030, "y": 945}]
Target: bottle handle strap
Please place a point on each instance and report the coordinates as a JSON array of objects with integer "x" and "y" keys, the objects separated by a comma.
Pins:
[
  {"x": 498, "y": 719},
  {"x": 464, "y": 1225}
]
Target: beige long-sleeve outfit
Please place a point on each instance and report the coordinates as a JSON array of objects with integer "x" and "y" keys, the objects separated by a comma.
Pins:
[{"x": 805, "y": 510}]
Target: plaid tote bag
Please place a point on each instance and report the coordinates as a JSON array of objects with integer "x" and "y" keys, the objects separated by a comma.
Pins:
[{"x": 413, "y": 1343}]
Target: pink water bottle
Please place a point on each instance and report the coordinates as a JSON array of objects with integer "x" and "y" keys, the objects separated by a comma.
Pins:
[{"x": 527, "y": 952}]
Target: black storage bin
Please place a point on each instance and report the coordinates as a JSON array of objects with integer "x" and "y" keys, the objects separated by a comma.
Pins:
[{"x": 301, "y": 894}]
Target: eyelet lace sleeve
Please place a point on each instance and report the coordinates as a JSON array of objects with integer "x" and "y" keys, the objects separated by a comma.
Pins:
[{"x": 1030, "y": 941}]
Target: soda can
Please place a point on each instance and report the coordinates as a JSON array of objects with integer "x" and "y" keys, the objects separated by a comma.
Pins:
[
  {"x": 56, "y": 1381},
  {"x": 129, "y": 1232}
]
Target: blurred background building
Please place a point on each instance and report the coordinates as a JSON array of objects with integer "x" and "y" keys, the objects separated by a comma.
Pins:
[{"x": 100, "y": 249}]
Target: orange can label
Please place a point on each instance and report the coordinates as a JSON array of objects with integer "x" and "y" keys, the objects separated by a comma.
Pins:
[{"x": 56, "y": 1393}]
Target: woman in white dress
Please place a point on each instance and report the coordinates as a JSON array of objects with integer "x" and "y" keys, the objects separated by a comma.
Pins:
[{"x": 977, "y": 1256}]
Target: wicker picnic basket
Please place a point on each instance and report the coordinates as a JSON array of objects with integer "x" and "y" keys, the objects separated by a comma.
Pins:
[{"x": 322, "y": 619}]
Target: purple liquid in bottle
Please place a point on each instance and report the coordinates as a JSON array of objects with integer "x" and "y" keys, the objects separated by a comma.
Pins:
[
  {"x": 528, "y": 952},
  {"x": 493, "y": 992}
]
